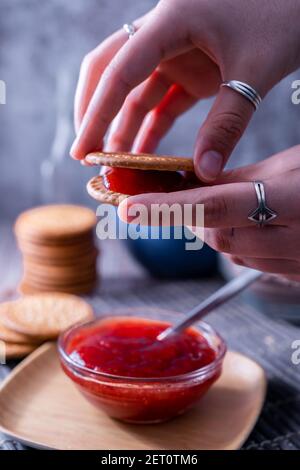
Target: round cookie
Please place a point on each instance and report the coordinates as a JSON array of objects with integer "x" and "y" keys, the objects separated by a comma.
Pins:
[
  {"x": 48, "y": 280},
  {"x": 51, "y": 242},
  {"x": 56, "y": 251},
  {"x": 29, "y": 288},
  {"x": 143, "y": 161},
  {"x": 60, "y": 273},
  {"x": 55, "y": 222},
  {"x": 18, "y": 351},
  {"x": 58, "y": 262},
  {"x": 96, "y": 188},
  {"x": 98, "y": 191},
  {"x": 11, "y": 336},
  {"x": 45, "y": 316}
]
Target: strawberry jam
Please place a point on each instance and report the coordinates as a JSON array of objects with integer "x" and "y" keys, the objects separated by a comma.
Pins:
[
  {"x": 120, "y": 366},
  {"x": 129, "y": 181},
  {"x": 128, "y": 347}
]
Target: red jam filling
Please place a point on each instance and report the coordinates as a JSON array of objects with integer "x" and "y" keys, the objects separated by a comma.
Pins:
[
  {"x": 132, "y": 182},
  {"x": 128, "y": 348}
]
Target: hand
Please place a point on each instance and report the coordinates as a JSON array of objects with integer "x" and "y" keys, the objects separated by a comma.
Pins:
[
  {"x": 274, "y": 248},
  {"x": 180, "y": 54}
]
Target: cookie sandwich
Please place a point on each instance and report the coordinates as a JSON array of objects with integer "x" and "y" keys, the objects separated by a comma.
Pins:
[{"x": 127, "y": 174}]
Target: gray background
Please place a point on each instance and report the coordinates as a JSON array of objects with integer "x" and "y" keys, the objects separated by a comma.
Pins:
[{"x": 42, "y": 44}]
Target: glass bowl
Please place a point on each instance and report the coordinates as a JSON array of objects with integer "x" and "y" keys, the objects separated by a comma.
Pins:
[{"x": 143, "y": 400}]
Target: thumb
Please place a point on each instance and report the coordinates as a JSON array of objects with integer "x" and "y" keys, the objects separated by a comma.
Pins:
[{"x": 221, "y": 131}]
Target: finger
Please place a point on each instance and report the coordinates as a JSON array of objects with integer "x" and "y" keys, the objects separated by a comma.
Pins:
[
  {"x": 221, "y": 131},
  {"x": 226, "y": 205},
  {"x": 294, "y": 278},
  {"x": 161, "y": 119},
  {"x": 137, "y": 104},
  {"x": 92, "y": 67},
  {"x": 160, "y": 37},
  {"x": 85, "y": 163},
  {"x": 275, "y": 266},
  {"x": 252, "y": 242},
  {"x": 268, "y": 168}
]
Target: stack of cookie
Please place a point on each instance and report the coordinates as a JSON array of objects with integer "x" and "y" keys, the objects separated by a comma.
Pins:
[
  {"x": 58, "y": 248},
  {"x": 27, "y": 322}
]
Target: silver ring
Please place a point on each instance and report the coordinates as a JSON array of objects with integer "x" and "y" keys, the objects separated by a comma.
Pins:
[
  {"x": 130, "y": 29},
  {"x": 246, "y": 90},
  {"x": 262, "y": 215}
]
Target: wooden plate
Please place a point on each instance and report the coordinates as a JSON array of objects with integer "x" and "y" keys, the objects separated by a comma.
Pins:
[{"x": 41, "y": 407}]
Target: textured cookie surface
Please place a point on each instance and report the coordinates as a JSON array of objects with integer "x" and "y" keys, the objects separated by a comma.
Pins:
[
  {"x": 98, "y": 191},
  {"x": 55, "y": 221},
  {"x": 60, "y": 273},
  {"x": 56, "y": 252},
  {"x": 66, "y": 281},
  {"x": 7, "y": 334},
  {"x": 67, "y": 260},
  {"x": 44, "y": 316},
  {"x": 141, "y": 161},
  {"x": 17, "y": 351},
  {"x": 27, "y": 287}
]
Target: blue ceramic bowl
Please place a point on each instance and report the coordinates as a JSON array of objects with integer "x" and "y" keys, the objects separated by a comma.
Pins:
[{"x": 168, "y": 258}]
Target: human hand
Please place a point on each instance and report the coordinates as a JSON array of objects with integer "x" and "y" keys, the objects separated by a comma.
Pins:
[
  {"x": 274, "y": 248},
  {"x": 180, "y": 54}
]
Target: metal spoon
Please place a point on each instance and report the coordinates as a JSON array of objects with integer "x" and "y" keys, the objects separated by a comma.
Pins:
[{"x": 218, "y": 298}]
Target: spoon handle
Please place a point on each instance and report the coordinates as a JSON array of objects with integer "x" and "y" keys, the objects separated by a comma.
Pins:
[{"x": 218, "y": 298}]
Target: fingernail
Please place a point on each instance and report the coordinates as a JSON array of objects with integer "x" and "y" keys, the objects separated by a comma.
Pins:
[
  {"x": 123, "y": 211},
  {"x": 73, "y": 151},
  {"x": 210, "y": 165}
]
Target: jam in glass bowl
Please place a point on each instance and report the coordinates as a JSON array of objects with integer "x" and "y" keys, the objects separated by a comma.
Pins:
[{"x": 119, "y": 366}]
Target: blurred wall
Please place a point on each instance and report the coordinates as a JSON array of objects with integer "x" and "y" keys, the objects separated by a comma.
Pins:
[{"x": 41, "y": 47}]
